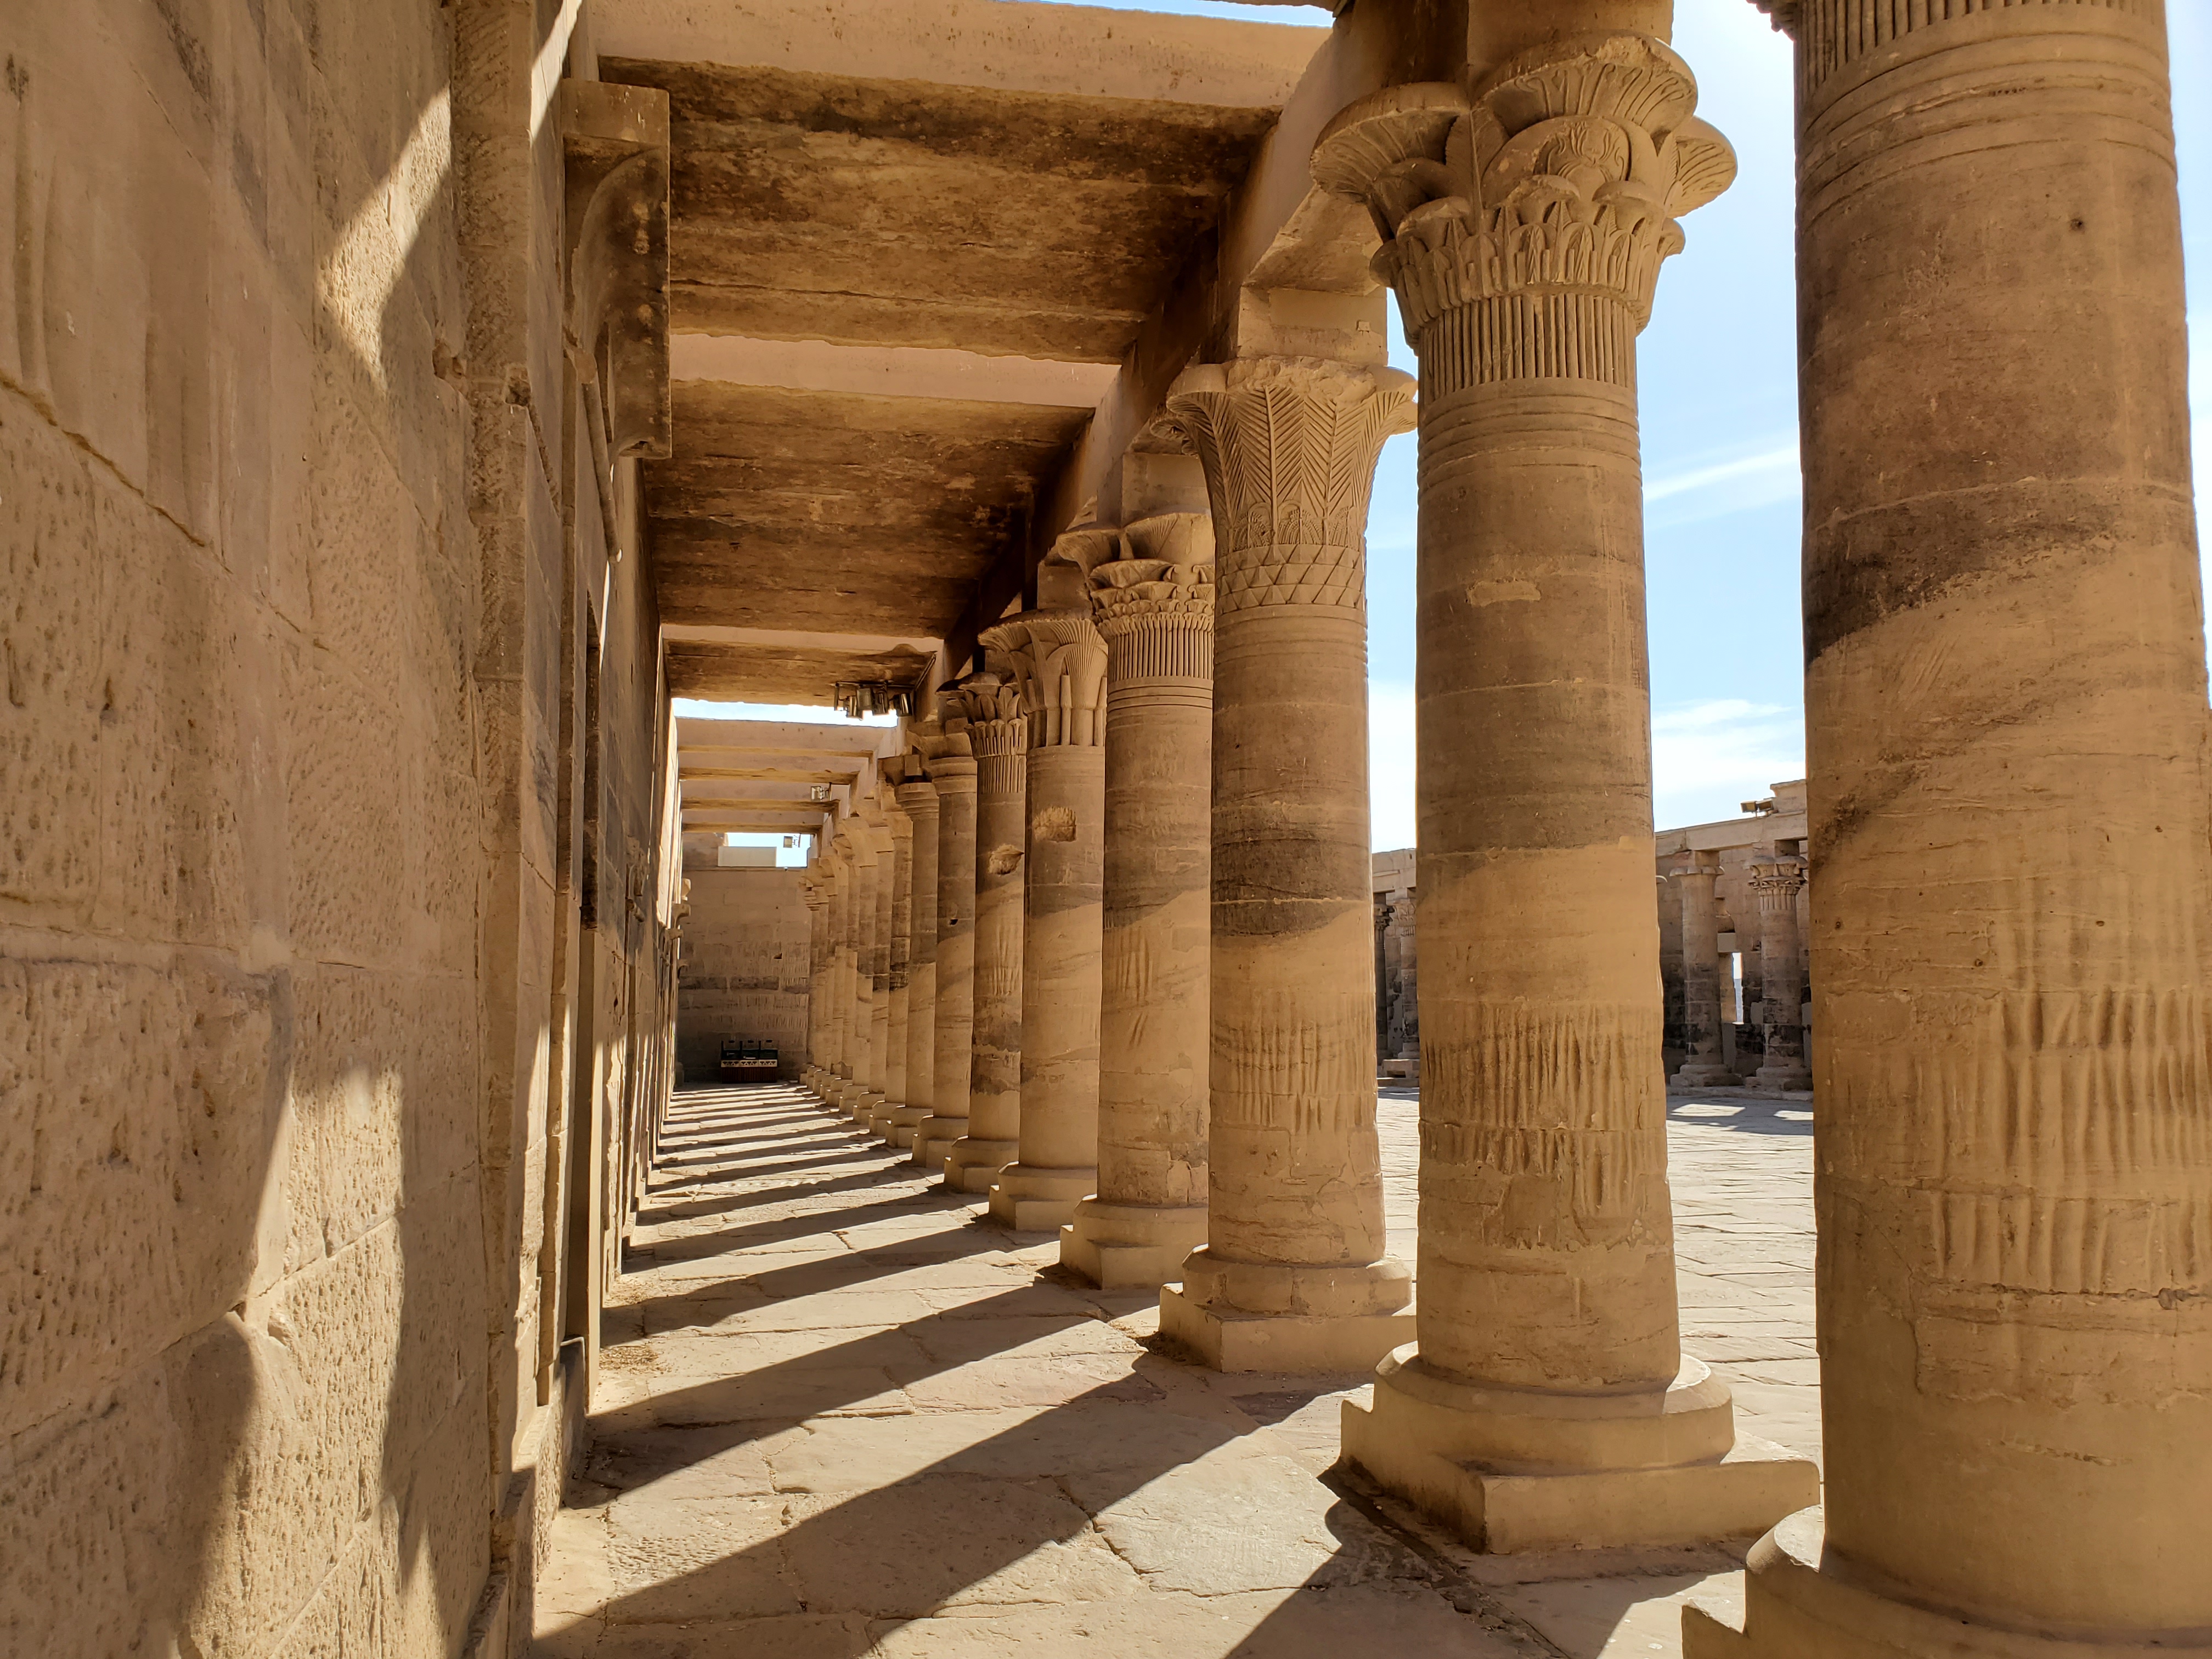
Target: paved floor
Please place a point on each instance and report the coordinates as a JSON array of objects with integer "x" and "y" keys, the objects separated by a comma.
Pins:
[{"x": 839, "y": 1417}]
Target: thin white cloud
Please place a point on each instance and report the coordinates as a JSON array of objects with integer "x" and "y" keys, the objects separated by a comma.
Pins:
[
  {"x": 1390, "y": 765},
  {"x": 1778, "y": 463},
  {"x": 1708, "y": 758}
]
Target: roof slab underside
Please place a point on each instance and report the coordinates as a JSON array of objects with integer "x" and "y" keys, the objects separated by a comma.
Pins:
[{"x": 1022, "y": 222}]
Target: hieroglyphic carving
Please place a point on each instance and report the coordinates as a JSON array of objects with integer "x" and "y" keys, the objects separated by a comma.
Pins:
[
  {"x": 1289, "y": 445},
  {"x": 1524, "y": 227}
]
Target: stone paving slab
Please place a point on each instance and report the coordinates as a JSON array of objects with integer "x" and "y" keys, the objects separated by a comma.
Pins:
[{"x": 841, "y": 1416}]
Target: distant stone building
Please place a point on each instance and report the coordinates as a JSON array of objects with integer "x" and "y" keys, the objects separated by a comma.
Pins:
[{"x": 1739, "y": 885}]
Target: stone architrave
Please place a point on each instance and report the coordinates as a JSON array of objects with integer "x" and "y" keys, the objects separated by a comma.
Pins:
[
  {"x": 899, "y": 959},
  {"x": 1059, "y": 663},
  {"x": 1294, "y": 1275},
  {"x": 997, "y": 731},
  {"x": 1548, "y": 1402},
  {"x": 2005, "y": 724},
  {"x": 1154, "y": 607},
  {"x": 1701, "y": 975},
  {"x": 917, "y": 799},
  {"x": 1782, "y": 966},
  {"x": 952, "y": 767}
]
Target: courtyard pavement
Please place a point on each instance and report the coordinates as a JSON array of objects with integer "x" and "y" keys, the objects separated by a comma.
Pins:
[{"x": 840, "y": 1416}]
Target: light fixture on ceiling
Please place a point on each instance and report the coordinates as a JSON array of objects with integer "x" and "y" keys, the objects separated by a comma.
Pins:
[{"x": 857, "y": 699}]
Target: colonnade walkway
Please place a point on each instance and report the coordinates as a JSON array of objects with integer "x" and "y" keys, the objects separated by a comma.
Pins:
[{"x": 841, "y": 1414}]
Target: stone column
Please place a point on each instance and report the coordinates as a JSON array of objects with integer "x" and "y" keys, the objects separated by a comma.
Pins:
[
  {"x": 1155, "y": 609},
  {"x": 998, "y": 732},
  {"x": 1402, "y": 1023},
  {"x": 1060, "y": 662},
  {"x": 954, "y": 773},
  {"x": 883, "y": 841},
  {"x": 867, "y": 892},
  {"x": 1701, "y": 975},
  {"x": 854, "y": 902},
  {"x": 898, "y": 952},
  {"x": 2005, "y": 724},
  {"x": 1548, "y": 1402},
  {"x": 814, "y": 887},
  {"x": 1781, "y": 957},
  {"x": 917, "y": 799},
  {"x": 1294, "y": 1276}
]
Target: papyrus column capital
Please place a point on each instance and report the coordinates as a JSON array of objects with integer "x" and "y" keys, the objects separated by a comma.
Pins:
[
  {"x": 1289, "y": 445},
  {"x": 1777, "y": 882}
]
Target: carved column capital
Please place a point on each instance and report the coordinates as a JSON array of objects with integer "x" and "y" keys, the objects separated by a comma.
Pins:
[
  {"x": 1783, "y": 13},
  {"x": 1058, "y": 658},
  {"x": 917, "y": 795},
  {"x": 1777, "y": 882},
  {"x": 1289, "y": 445},
  {"x": 1547, "y": 199},
  {"x": 1154, "y": 604}
]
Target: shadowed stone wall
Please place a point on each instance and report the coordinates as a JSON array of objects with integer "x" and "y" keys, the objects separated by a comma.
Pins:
[
  {"x": 744, "y": 972},
  {"x": 327, "y": 709},
  {"x": 241, "y": 1246}
]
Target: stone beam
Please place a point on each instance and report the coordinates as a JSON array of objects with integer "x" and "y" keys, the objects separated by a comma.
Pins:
[
  {"x": 889, "y": 372},
  {"x": 1007, "y": 45},
  {"x": 1275, "y": 280}
]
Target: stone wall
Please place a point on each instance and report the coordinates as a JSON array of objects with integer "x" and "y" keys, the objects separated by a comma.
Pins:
[
  {"x": 328, "y": 707},
  {"x": 241, "y": 1260},
  {"x": 745, "y": 969}
]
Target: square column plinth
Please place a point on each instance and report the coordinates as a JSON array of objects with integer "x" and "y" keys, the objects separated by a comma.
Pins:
[
  {"x": 1268, "y": 1316},
  {"x": 1029, "y": 1199},
  {"x": 1131, "y": 1246},
  {"x": 1514, "y": 1470},
  {"x": 1802, "y": 1601}
]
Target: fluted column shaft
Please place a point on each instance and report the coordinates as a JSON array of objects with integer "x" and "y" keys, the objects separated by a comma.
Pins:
[
  {"x": 2005, "y": 725},
  {"x": 1295, "y": 1229},
  {"x": 954, "y": 1055},
  {"x": 1155, "y": 611},
  {"x": 918, "y": 800},
  {"x": 999, "y": 733},
  {"x": 1701, "y": 975}
]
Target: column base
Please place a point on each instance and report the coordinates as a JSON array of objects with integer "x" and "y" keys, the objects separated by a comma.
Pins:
[
  {"x": 861, "y": 1103},
  {"x": 1782, "y": 1075},
  {"x": 885, "y": 1119},
  {"x": 1801, "y": 1602},
  {"x": 1289, "y": 1317},
  {"x": 1032, "y": 1199},
  {"x": 1703, "y": 1075},
  {"x": 972, "y": 1165},
  {"x": 904, "y": 1122},
  {"x": 935, "y": 1138},
  {"x": 1514, "y": 1469},
  {"x": 1131, "y": 1246}
]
